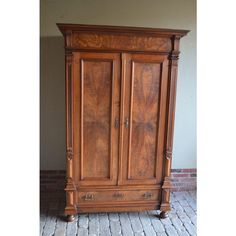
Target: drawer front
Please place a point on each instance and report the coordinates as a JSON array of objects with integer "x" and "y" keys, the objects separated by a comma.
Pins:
[{"x": 112, "y": 195}]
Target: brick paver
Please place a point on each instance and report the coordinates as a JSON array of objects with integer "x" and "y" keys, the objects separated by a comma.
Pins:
[{"x": 181, "y": 221}]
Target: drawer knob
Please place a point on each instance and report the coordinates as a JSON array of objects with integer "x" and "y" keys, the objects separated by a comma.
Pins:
[
  {"x": 118, "y": 195},
  {"x": 147, "y": 195},
  {"x": 88, "y": 197}
]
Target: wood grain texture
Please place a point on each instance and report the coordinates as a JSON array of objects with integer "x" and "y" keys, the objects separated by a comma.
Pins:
[
  {"x": 97, "y": 79},
  {"x": 144, "y": 117},
  {"x": 97, "y": 94},
  {"x": 120, "y": 101},
  {"x": 145, "y": 81},
  {"x": 103, "y": 41}
]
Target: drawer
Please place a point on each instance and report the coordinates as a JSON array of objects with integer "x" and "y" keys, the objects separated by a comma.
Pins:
[{"x": 114, "y": 195}]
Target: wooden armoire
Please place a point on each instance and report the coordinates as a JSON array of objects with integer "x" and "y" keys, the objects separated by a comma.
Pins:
[{"x": 120, "y": 105}]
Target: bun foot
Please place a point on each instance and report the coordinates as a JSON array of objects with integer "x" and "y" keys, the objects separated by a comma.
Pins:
[
  {"x": 70, "y": 218},
  {"x": 163, "y": 215}
]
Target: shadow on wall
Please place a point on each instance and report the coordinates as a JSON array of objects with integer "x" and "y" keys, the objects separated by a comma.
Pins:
[{"x": 52, "y": 104}]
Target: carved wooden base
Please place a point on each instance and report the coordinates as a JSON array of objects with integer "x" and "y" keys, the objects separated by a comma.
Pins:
[
  {"x": 163, "y": 215},
  {"x": 70, "y": 218}
]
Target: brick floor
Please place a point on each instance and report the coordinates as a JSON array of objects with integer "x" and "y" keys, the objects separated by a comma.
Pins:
[{"x": 181, "y": 220}]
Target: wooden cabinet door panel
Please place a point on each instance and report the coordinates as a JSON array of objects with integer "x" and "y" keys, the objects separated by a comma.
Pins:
[
  {"x": 96, "y": 113},
  {"x": 144, "y": 90}
]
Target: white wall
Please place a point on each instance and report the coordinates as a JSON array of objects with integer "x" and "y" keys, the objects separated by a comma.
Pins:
[{"x": 179, "y": 14}]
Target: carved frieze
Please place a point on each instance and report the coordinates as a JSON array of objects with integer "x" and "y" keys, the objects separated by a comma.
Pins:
[{"x": 89, "y": 40}]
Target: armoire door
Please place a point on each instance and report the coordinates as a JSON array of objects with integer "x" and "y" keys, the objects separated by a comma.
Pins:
[
  {"x": 96, "y": 99},
  {"x": 143, "y": 107}
]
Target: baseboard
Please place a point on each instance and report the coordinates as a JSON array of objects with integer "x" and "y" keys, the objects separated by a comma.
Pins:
[{"x": 182, "y": 180}]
